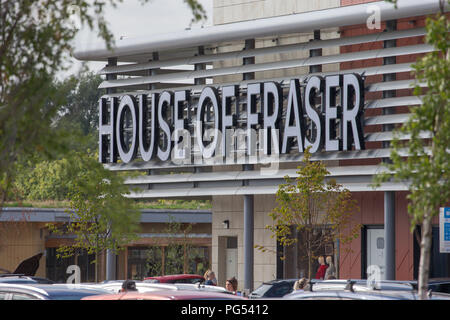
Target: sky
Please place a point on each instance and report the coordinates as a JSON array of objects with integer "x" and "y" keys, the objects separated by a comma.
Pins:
[{"x": 132, "y": 19}]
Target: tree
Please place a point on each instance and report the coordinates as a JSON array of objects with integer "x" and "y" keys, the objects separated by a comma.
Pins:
[
  {"x": 36, "y": 39},
  {"x": 426, "y": 167},
  {"x": 101, "y": 217},
  {"x": 320, "y": 210},
  {"x": 80, "y": 112}
]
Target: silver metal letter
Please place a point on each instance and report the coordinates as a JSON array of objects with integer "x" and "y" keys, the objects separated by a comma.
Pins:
[
  {"x": 352, "y": 112},
  {"x": 127, "y": 153},
  {"x": 164, "y": 103},
  {"x": 331, "y": 112},
  {"x": 293, "y": 127},
  {"x": 316, "y": 84}
]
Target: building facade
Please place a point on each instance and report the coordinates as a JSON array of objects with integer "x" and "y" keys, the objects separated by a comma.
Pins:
[
  {"x": 260, "y": 56},
  {"x": 169, "y": 242}
]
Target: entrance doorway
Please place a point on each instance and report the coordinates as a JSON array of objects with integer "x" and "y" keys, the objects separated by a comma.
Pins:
[
  {"x": 231, "y": 258},
  {"x": 373, "y": 251},
  {"x": 228, "y": 259}
]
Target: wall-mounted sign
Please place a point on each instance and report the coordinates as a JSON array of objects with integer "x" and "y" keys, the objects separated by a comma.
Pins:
[
  {"x": 325, "y": 113},
  {"x": 444, "y": 230}
]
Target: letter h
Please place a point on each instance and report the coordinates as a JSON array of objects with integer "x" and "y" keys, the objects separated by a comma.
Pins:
[{"x": 106, "y": 130}]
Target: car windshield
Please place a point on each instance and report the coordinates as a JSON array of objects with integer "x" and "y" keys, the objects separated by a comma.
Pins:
[{"x": 262, "y": 289}]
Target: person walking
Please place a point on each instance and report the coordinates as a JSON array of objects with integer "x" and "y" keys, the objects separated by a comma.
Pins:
[
  {"x": 320, "y": 274},
  {"x": 128, "y": 285},
  {"x": 210, "y": 278},
  {"x": 231, "y": 285}
]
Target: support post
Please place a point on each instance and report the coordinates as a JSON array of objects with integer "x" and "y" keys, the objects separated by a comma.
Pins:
[
  {"x": 389, "y": 234},
  {"x": 110, "y": 256},
  {"x": 248, "y": 242},
  {"x": 248, "y": 199},
  {"x": 389, "y": 196}
]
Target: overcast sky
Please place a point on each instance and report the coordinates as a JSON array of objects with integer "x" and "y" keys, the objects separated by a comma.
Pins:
[{"x": 131, "y": 19}]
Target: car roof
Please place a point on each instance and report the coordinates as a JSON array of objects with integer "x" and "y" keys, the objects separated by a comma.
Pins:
[
  {"x": 342, "y": 295},
  {"x": 362, "y": 285},
  {"x": 176, "y": 276},
  {"x": 23, "y": 288},
  {"x": 275, "y": 281},
  {"x": 167, "y": 295},
  {"x": 59, "y": 290}
]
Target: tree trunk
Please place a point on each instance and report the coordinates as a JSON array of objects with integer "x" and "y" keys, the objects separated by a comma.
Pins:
[
  {"x": 309, "y": 254},
  {"x": 96, "y": 267},
  {"x": 425, "y": 255}
]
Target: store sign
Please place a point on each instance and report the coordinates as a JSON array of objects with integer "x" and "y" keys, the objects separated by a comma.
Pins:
[
  {"x": 324, "y": 113},
  {"x": 444, "y": 230}
]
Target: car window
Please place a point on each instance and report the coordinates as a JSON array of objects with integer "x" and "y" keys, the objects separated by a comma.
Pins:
[
  {"x": 442, "y": 287},
  {"x": 23, "y": 296},
  {"x": 194, "y": 280},
  {"x": 279, "y": 291},
  {"x": 262, "y": 289}
]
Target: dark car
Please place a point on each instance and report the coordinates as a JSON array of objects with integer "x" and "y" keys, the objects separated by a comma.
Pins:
[
  {"x": 273, "y": 289},
  {"x": 9, "y": 291},
  {"x": 436, "y": 285},
  {"x": 176, "y": 278}
]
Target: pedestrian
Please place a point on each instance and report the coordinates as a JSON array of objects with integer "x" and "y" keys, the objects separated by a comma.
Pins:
[
  {"x": 301, "y": 285},
  {"x": 210, "y": 278},
  {"x": 231, "y": 285},
  {"x": 331, "y": 270},
  {"x": 322, "y": 269},
  {"x": 128, "y": 285}
]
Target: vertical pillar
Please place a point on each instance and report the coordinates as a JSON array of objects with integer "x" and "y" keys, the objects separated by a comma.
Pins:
[
  {"x": 389, "y": 196},
  {"x": 248, "y": 242},
  {"x": 248, "y": 199},
  {"x": 153, "y": 72},
  {"x": 198, "y": 81},
  {"x": 389, "y": 234},
  {"x": 110, "y": 256}
]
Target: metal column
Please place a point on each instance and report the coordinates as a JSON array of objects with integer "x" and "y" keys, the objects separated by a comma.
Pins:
[
  {"x": 110, "y": 255},
  {"x": 389, "y": 196},
  {"x": 248, "y": 242},
  {"x": 248, "y": 199}
]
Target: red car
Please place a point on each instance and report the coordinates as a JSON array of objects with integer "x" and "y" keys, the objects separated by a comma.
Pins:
[
  {"x": 166, "y": 295},
  {"x": 176, "y": 278}
]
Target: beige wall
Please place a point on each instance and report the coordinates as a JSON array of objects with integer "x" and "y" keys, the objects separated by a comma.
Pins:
[
  {"x": 231, "y": 208},
  {"x": 19, "y": 241},
  {"x": 226, "y": 11}
]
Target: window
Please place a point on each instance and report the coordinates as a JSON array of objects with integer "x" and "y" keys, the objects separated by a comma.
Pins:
[
  {"x": 173, "y": 259},
  {"x": 23, "y": 296},
  {"x": 279, "y": 291},
  {"x": 56, "y": 268}
]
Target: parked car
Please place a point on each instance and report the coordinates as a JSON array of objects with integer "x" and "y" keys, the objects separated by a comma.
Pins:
[
  {"x": 22, "y": 279},
  {"x": 436, "y": 285},
  {"x": 273, "y": 289},
  {"x": 115, "y": 286},
  {"x": 10, "y": 291},
  {"x": 176, "y": 278},
  {"x": 357, "y": 289},
  {"x": 360, "y": 285},
  {"x": 166, "y": 295}
]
